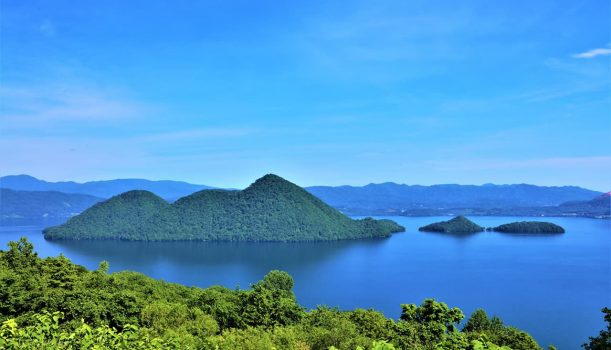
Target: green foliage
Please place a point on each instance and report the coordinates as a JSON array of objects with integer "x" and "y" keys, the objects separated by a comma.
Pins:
[
  {"x": 529, "y": 227},
  {"x": 459, "y": 224},
  {"x": 603, "y": 340},
  {"x": 271, "y": 209},
  {"x": 430, "y": 323},
  {"x": 45, "y": 333},
  {"x": 52, "y": 303},
  {"x": 278, "y": 281},
  {"x": 479, "y": 322},
  {"x": 480, "y": 328}
]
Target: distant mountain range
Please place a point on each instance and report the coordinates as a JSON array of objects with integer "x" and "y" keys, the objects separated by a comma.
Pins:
[
  {"x": 373, "y": 199},
  {"x": 390, "y": 195},
  {"x": 599, "y": 206},
  {"x": 169, "y": 190},
  {"x": 36, "y": 205},
  {"x": 271, "y": 209}
]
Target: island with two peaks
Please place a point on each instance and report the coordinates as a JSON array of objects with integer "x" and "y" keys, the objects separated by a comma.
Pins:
[
  {"x": 461, "y": 224},
  {"x": 271, "y": 209}
]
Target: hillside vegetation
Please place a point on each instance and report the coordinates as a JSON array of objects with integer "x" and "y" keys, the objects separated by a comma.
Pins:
[
  {"x": 52, "y": 303},
  {"x": 271, "y": 209}
]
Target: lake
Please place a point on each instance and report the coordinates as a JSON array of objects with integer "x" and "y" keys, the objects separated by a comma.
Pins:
[{"x": 552, "y": 286}]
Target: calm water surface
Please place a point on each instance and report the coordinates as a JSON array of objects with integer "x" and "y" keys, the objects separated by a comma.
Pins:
[{"x": 553, "y": 286}]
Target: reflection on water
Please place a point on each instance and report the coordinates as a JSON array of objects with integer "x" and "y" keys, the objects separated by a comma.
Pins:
[
  {"x": 212, "y": 253},
  {"x": 551, "y": 285},
  {"x": 455, "y": 235}
]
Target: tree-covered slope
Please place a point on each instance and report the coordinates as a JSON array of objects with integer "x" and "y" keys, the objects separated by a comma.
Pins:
[
  {"x": 271, "y": 209},
  {"x": 42, "y": 204},
  {"x": 459, "y": 224},
  {"x": 52, "y": 303},
  {"x": 529, "y": 227},
  {"x": 111, "y": 218}
]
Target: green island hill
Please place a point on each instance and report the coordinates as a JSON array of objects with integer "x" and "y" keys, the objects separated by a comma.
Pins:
[
  {"x": 529, "y": 227},
  {"x": 459, "y": 224},
  {"x": 271, "y": 209},
  {"x": 52, "y": 303}
]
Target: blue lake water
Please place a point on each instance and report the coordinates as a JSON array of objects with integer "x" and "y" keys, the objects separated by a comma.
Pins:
[{"x": 552, "y": 286}]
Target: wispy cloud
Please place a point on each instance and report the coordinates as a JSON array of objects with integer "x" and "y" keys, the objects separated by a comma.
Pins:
[
  {"x": 594, "y": 53},
  {"x": 23, "y": 107}
]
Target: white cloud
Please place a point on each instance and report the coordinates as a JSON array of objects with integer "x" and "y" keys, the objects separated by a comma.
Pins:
[
  {"x": 24, "y": 107},
  {"x": 593, "y": 53}
]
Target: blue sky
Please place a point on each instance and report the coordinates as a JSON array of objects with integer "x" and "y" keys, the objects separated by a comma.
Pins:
[{"x": 346, "y": 92}]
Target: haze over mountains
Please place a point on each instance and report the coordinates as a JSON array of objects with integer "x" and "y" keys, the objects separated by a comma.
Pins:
[
  {"x": 36, "y": 205},
  {"x": 392, "y": 195},
  {"x": 169, "y": 190},
  {"x": 373, "y": 199}
]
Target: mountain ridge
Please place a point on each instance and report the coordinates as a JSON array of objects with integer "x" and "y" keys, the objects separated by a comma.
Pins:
[
  {"x": 168, "y": 189},
  {"x": 36, "y": 205},
  {"x": 387, "y": 198},
  {"x": 271, "y": 209},
  {"x": 403, "y": 197}
]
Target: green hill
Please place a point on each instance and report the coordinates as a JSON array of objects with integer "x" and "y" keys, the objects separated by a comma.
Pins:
[
  {"x": 459, "y": 224},
  {"x": 271, "y": 209},
  {"x": 529, "y": 227},
  {"x": 111, "y": 218}
]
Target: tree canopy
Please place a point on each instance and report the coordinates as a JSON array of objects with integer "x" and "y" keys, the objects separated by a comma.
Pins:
[{"x": 53, "y": 303}]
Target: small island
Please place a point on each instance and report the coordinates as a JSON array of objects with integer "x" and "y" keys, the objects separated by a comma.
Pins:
[
  {"x": 271, "y": 209},
  {"x": 459, "y": 224},
  {"x": 529, "y": 227}
]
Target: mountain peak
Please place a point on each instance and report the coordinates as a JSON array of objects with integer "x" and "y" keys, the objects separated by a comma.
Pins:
[
  {"x": 20, "y": 177},
  {"x": 270, "y": 180},
  {"x": 138, "y": 194},
  {"x": 270, "y": 177}
]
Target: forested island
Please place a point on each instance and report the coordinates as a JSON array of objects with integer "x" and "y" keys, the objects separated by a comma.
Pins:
[
  {"x": 459, "y": 224},
  {"x": 53, "y": 303},
  {"x": 529, "y": 227},
  {"x": 271, "y": 209}
]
